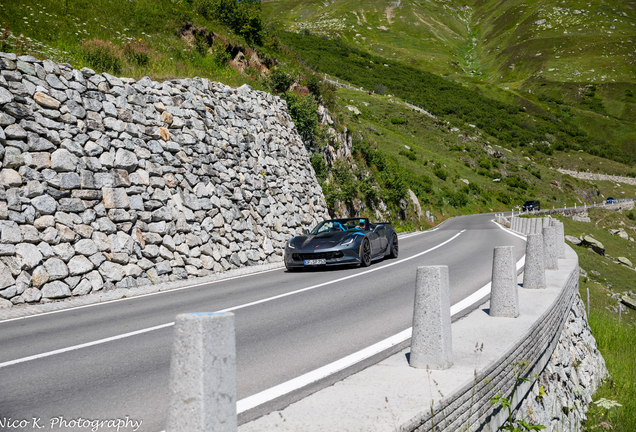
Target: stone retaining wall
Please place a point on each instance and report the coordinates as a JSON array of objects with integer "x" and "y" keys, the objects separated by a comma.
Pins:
[{"x": 108, "y": 181}]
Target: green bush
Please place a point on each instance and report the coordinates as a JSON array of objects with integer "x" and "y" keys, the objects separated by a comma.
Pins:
[
  {"x": 397, "y": 121},
  {"x": 517, "y": 182},
  {"x": 484, "y": 163},
  {"x": 304, "y": 113},
  {"x": 103, "y": 56},
  {"x": 279, "y": 80},
  {"x": 442, "y": 174},
  {"x": 631, "y": 215},
  {"x": 243, "y": 17}
]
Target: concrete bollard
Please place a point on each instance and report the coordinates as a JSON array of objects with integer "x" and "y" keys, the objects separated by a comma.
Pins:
[
  {"x": 546, "y": 222},
  {"x": 550, "y": 249},
  {"x": 203, "y": 374},
  {"x": 431, "y": 342},
  {"x": 538, "y": 225},
  {"x": 524, "y": 225},
  {"x": 560, "y": 239},
  {"x": 504, "y": 295},
  {"x": 534, "y": 272}
]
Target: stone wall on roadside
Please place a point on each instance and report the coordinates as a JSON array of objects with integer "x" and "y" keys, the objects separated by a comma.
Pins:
[
  {"x": 560, "y": 397},
  {"x": 108, "y": 181}
]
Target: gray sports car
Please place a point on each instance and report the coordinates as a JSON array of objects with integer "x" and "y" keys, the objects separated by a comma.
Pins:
[{"x": 342, "y": 242}]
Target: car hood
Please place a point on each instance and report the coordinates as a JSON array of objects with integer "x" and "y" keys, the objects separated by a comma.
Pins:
[{"x": 323, "y": 240}]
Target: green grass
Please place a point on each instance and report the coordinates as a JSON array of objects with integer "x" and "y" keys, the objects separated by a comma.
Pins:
[{"x": 59, "y": 29}]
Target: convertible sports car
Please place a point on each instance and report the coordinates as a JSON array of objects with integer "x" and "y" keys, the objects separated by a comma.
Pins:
[{"x": 342, "y": 242}]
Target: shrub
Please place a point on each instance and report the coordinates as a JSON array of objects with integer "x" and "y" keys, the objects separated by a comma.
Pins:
[
  {"x": 397, "y": 121},
  {"x": 380, "y": 89},
  {"x": 484, "y": 163},
  {"x": 137, "y": 53},
  {"x": 320, "y": 167},
  {"x": 442, "y": 174},
  {"x": 303, "y": 112},
  {"x": 243, "y": 17},
  {"x": 631, "y": 215},
  {"x": 517, "y": 182},
  {"x": 103, "y": 55},
  {"x": 279, "y": 80}
]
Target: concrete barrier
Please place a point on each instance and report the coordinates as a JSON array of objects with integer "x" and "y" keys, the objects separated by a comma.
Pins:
[
  {"x": 504, "y": 296},
  {"x": 431, "y": 341},
  {"x": 550, "y": 249},
  {"x": 203, "y": 374},
  {"x": 534, "y": 272}
]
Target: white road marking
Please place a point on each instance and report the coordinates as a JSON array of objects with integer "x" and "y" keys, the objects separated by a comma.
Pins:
[{"x": 149, "y": 329}]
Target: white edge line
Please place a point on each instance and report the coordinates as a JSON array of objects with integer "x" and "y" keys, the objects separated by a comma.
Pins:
[
  {"x": 125, "y": 335},
  {"x": 84, "y": 345}
]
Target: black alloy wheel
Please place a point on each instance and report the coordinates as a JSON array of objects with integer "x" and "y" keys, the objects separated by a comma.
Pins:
[
  {"x": 365, "y": 258},
  {"x": 395, "y": 250}
]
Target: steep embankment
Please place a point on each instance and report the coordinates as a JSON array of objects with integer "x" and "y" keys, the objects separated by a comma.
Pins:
[{"x": 109, "y": 181}]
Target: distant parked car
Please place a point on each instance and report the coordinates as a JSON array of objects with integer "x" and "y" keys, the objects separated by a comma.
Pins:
[
  {"x": 531, "y": 205},
  {"x": 610, "y": 200}
]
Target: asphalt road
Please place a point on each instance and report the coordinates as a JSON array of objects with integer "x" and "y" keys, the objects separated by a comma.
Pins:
[{"x": 345, "y": 311}]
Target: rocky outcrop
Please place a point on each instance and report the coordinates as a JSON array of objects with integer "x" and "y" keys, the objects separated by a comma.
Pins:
[{"x": 109, "y": 181}]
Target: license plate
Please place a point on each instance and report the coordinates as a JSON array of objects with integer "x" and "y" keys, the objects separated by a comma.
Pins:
[{"x": 315, "y": 262}]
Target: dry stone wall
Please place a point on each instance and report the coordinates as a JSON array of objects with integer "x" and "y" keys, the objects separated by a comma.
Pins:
[{"x": 108, "y": 181}]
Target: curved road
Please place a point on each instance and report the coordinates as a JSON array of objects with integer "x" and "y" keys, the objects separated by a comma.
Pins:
[{"x": 316, "y": 317}]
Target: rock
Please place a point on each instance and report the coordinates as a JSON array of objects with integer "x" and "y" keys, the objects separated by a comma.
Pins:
[
  {"x": 56, "y": 268},
  {"x": 46, "y": 100},
  {"x": 115, "y": 198},
  {"x": 29, "y": 254},
  {"x": 32, "y": 295},
  {"x": 40, "y": 276},
  {"x": 6, "y": 278},
  {"x": 596, "y": 245},
  {"x": 83, "y": 288},
  {"x": 44, "y": 204},
  {"x": 63, "y": 160},
  {"x": 10, "y": 178},
  {"x": 624, "y": 261},
  {"x": 95, "y": 279},
  {"x": 56, "y": 290},
  {"x": 126, "y": 160},
  {"x": 5, "y": 304},
  {"x": 86, "y": 247},
  {"x": 112, "y": 271},
  {"x": 79, "y": 264}
]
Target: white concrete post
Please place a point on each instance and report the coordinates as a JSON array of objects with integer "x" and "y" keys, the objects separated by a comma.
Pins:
[
  {"x": 203, "y": 374},
  {"x": 534, "y": 271},
  {"x": 431, "y": 341},
  {"x": 560, "y": 239},
  {"x": 504, "y": 295},
  {"x": 550, "y": 249}
]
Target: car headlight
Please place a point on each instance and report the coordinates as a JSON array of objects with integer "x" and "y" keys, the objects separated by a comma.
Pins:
[
  {"x": 291, "y": 244},
  {"x": 348, "y": 241}
]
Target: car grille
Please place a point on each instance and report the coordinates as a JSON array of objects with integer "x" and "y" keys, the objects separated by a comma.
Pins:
[{"x": 317, "y": 255}]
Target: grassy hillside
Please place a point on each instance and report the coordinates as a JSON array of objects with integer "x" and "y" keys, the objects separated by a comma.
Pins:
[{"x": 574, "y": 60}]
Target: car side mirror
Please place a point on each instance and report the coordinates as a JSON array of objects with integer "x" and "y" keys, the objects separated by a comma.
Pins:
[{"x": 305, "y": 231}]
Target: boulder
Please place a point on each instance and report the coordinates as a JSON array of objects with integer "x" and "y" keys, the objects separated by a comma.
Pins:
[
  {"x": 625, "y": 261},
  {"x": 56, "y": 290},
  {"x": 596, "y": 245}
]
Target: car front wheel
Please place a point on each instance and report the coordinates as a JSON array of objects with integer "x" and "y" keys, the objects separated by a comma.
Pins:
[
  {"x": 394, "y": 247},
  {"x": 365, "y": 254}
]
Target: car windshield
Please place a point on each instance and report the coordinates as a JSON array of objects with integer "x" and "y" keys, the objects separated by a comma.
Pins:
[{"x": 341, "y": 225}]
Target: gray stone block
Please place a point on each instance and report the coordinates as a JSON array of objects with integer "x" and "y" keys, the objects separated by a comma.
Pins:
[
  {"x": 504, "y": 295},
  {"x": 203, "y": 374},
  {"x": 431, "y": 342},
  {"x": 534, "y": 272}
]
